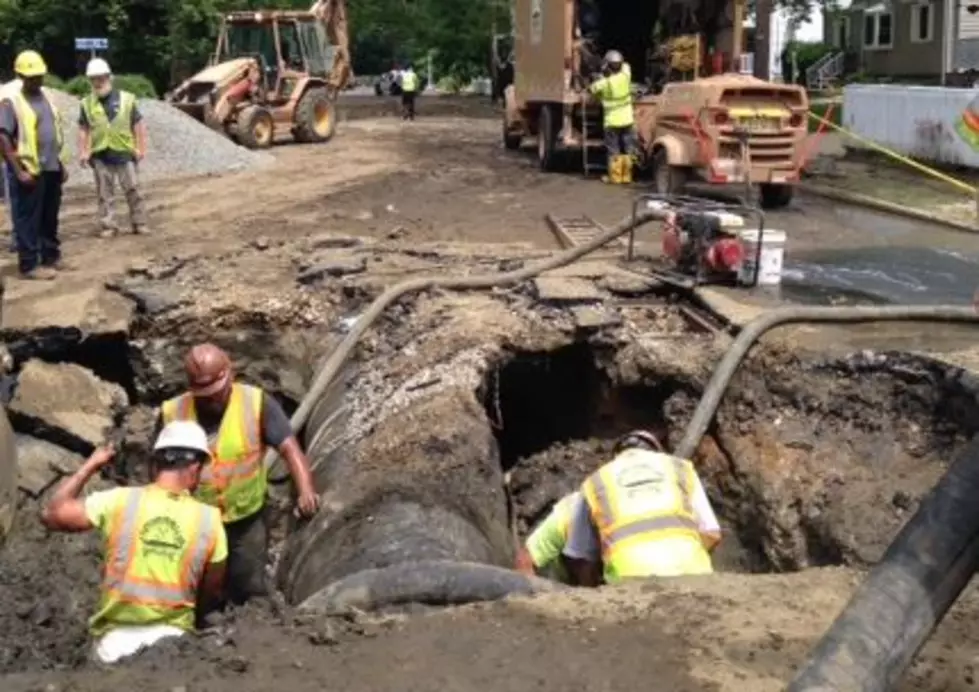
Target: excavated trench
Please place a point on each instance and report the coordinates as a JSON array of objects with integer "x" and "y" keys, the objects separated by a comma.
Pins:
[{"x": 428, "y": 473}]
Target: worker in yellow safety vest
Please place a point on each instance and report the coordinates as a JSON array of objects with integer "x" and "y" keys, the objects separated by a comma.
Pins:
[
  {"x": 33, "y": 144},
  {"x": 164, "y": 550},
  {"x": 112, "y": 139},
  {"x": 409, "y": 90},
  {"x": 541, "y": 553},
  {"x": 241, "y": 422},
  {"x": 614, "y": 90},
  {"x": 643, "y": 514}
]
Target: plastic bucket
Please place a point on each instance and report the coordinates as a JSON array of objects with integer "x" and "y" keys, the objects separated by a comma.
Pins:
[{"x": 772, "y": 257}]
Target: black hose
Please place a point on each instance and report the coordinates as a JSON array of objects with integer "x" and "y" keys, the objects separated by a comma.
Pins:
[
  {"x": 907, "y": 594},
  {"x": 721, "y": 378},
  {"x": 431, "y": 582}
]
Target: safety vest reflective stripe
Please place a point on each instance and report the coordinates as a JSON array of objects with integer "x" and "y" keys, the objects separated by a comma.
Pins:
[
  {"x": 121, "y": 554},
  {"x": 28, "y": 148},
  {"x": 613, "y": 529},
  {"x": 115, "y": 134}
]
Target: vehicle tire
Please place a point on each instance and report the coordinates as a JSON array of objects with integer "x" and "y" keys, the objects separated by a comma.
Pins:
[
  {"x": 255, "y": 127},
  {"x": 378, "y": 91},
  {"x": 668, "y": 180},
  {"x": 775, "y": 196},
  {"x": 547, "y": 156},
  {"x": 315, "y": 118},
  {"x": 511, "y": 140}
]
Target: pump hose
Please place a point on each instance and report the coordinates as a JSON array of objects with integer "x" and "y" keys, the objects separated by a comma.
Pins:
[{"x": 778, "y": 317}]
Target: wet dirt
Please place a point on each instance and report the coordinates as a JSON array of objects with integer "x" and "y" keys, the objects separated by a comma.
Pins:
[{"x": 813, "y": 462}]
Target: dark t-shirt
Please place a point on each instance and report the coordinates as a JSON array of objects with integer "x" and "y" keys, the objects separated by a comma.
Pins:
[
  {"x": 275, "y": 423},
  {"x": 111, "y": 105}
]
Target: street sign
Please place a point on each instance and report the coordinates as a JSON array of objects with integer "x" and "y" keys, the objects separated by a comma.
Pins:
[{"x": 91, "y": 44}]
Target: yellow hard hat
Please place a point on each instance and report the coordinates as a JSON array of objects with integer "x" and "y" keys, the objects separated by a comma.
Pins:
[{"x": 29, "y": 63}]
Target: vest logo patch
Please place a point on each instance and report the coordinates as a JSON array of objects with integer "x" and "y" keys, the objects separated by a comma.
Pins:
[{"x": 162, "y": 537}]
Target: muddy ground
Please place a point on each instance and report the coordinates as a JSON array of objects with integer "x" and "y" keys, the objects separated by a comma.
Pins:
[{"x": 816, "y": 462}]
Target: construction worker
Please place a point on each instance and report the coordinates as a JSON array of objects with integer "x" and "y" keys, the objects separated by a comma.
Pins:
[
  {"x": 33, "y": 144},
  {"x": 112, "y": 138},
  {"x": 163, "y": 551},
  {"x": 541, "y": 553},
  {"x": 643, "y": 514},
  {"x": 409, "y": 90},
  {"x": 241, "y": 422},
  {"x": 8, "y": 91},
  {"x": 614, "y": 90}
]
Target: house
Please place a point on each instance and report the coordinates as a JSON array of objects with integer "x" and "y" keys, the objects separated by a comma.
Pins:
[{"x": 905, "y": 40}]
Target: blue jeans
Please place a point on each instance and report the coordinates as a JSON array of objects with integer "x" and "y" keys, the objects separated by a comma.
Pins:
[
  {"x": 9, "y": 180},
  {"x": 36, "y": 221}
]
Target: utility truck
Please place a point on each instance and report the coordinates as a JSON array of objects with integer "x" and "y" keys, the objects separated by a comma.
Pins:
[{"x": 727, "y": 128}]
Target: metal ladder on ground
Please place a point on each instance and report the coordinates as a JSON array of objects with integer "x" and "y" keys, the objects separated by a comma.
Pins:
[{"x": 574, "y": 231}]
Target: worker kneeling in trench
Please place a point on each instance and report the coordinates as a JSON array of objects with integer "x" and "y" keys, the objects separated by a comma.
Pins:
[{"x": 643, "y": 514}]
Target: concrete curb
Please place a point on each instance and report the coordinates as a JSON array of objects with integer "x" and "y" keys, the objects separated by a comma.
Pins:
[{"x": 888, "y": 207}]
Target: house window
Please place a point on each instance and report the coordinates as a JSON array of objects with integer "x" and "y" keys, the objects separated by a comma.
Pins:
[
  {"x": 922, "y": 23},
  {"x": 841, "y": 32},
  {"x": 877, "y": 29}
]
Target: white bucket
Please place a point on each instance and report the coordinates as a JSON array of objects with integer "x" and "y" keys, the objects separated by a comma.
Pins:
[{"x": 772, "y": 257}]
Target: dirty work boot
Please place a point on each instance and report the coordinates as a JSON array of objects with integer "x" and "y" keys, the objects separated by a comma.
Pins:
[
  {"x": 625, "y": 170},
  {"x": 141, "y": 229},
  {"x": 614, "y": 174},
  {"x": 108, "y": 232},
  {"x": 40, "y": 274}
]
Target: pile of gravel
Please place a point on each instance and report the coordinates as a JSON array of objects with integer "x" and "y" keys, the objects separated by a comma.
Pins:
[{"x": 178, "y": 145}]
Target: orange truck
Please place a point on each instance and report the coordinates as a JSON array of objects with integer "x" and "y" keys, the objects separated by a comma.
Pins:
[{"x": 725, "y": 129}]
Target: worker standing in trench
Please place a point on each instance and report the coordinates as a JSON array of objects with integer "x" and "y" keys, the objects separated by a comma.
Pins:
[
  {"x": 112, "y": 139},
  {"x": 241, "y": 422},
  {"x": 541, "y": 553},
  {"x": 164, "y": 551},
  {"x": 33, "y": 144},
  {"x": 614, "y": 90},
  {"x": 643, "y": 514}
]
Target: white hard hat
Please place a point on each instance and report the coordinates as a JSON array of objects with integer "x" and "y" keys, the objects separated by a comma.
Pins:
[
  {"x": 97, "y": 67},
  {"x": 182, "y": 434},
  {"x": 614, "y": 57}
]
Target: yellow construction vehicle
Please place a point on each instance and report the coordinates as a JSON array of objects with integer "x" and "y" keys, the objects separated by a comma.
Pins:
[{"x": 273, "y": 73}]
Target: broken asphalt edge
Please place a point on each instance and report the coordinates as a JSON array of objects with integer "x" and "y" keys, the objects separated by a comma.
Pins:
[{"x": 887, "y": 207}]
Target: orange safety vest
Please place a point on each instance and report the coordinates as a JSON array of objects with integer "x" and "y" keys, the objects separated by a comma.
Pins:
[
  {"x": 136, "y": 589},
  {"x": 641, "y": 504},
  {"x": 235, "y": 481}
]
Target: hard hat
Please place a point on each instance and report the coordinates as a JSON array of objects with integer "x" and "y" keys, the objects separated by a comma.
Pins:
[
  {"x": 208, "y": 369},
  {"x": 639, "y": 438},
  {"x": 97, "y": 67},
  {"x": 614, "y": 57},
  {"x": 182, "y": 434},
  {"x": 29, "y": 63}
]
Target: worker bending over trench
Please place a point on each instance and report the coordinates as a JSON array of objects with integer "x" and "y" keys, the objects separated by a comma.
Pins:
[
  {"x": 164, "y": 551},
  {"x": 241, "y": 422},
  {"x": 643, "y": 514}
]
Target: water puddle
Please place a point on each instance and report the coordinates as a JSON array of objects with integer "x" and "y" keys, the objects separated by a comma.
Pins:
[{"x": 881, "y": 275}]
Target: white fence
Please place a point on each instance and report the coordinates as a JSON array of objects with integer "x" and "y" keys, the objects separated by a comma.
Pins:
[{"x": 931, "y": 123}]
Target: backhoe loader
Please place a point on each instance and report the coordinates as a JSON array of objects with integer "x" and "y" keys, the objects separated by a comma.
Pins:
[{"x": 273, "y": 74}]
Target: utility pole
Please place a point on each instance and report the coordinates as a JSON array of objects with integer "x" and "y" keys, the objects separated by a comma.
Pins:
[{"x": 763, "y": 38}]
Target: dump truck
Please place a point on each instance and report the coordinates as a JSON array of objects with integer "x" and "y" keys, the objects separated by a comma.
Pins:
[
  {"x": 273, "y": 73},
  {"x": 724, "y": 129}
]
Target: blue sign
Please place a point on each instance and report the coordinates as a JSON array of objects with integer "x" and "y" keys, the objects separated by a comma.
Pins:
[{"x": 91, "y": 44}]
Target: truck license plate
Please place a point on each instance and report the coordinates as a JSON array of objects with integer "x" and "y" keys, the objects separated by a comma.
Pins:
[{"x": 758, "y": 124}]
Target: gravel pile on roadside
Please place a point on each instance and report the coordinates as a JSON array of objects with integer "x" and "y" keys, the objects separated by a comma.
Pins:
[{"x": 178, "y": 145}]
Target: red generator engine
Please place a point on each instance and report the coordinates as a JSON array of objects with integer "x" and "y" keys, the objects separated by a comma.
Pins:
[{"x": 703, "y": 244}]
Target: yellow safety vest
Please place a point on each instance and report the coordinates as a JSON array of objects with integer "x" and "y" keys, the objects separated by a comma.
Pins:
[
  {"x": 115, "y": 135},
  {"x": 158, "y": 544},
  {"x": 27, "y": 145},
  {"x": 409, "y": 82},
  {"x": 235, "y": 481},
  {"x": 615, "y": 93},
  {"x": 641, "y": 505}
]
